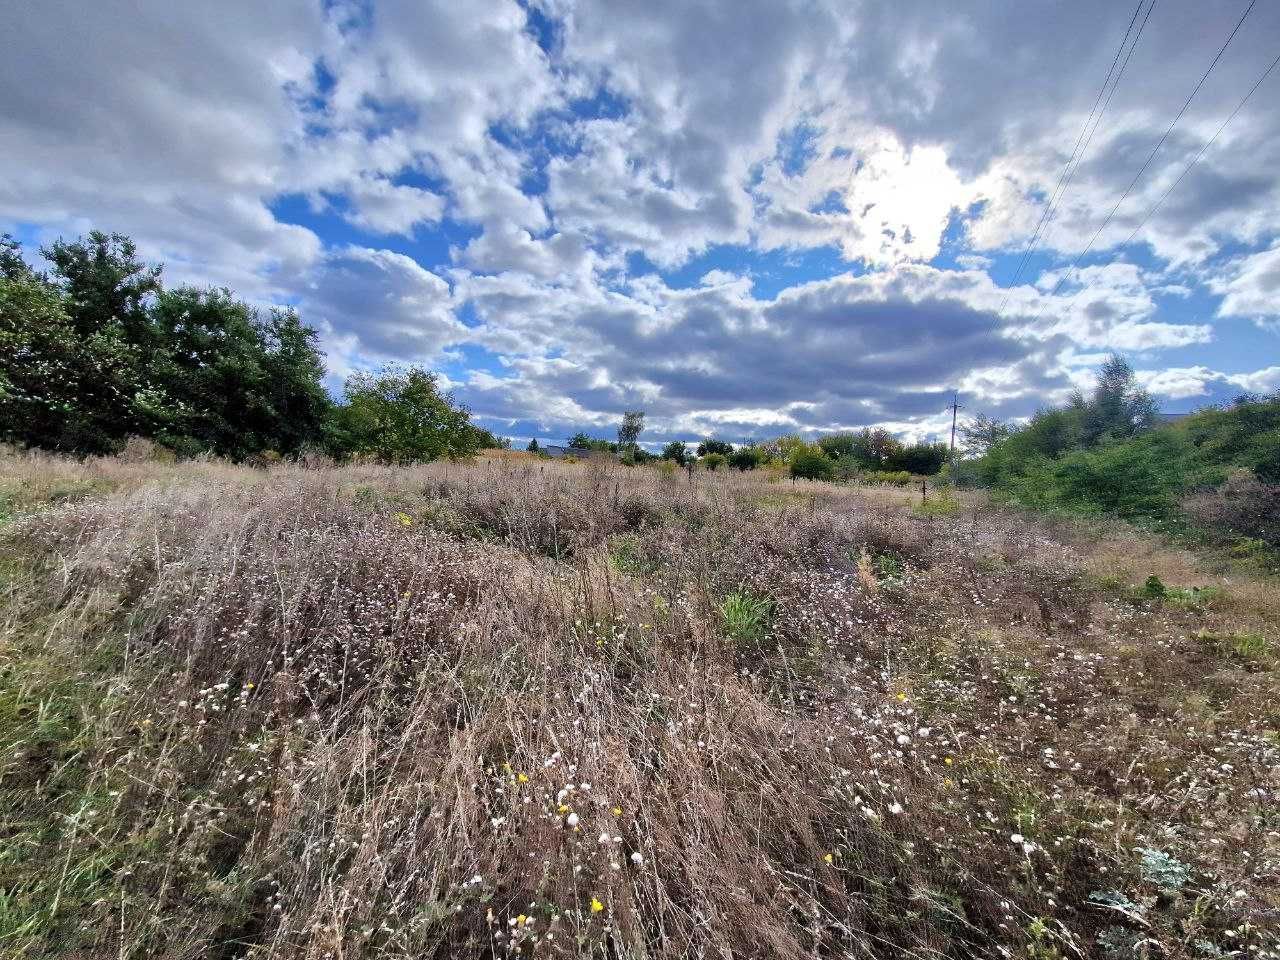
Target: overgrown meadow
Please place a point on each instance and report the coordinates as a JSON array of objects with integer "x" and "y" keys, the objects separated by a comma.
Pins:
[{"x": 541, "y": 710}]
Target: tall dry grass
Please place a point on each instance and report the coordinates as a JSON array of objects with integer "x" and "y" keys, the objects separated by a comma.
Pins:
[{"x": 540, "y": 709}]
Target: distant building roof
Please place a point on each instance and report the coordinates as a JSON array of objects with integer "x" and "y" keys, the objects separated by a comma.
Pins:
[{"x": 555, "y": 452}]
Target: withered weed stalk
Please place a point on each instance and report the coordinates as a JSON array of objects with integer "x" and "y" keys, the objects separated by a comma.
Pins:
[{"x": 516, "y": 709}]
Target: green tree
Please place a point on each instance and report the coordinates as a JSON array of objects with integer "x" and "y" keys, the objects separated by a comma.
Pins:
[
  {"x": 837, "y": 445},
  {"x": 12, "y": 266},
  {"x": 712, "y": 461},
  {"x": 677, "y": 451},
  {"x": 243, "y": 382},
  {"x": 629, "y": 430},
  {"x": 877, "y": 448},
  {"x": 747, "y": 458},
  {"x": 488, "y": 440},
  {"x": 583, "y": 442},
  {"x": 848, "y": 467},
  {"x": 920, "y": 458},
  {"x": 533, "y": 446},
  {"x": 299, "y": 404},
  {"x": 714, "y": 446},
  {"x": 1118, "y": 407},
  {"x": 982, "y": 432},
  {"x": 781, "y": 448},
  {"x": 62, "y": 388},
  {"x": 398, "y": 415},
  {"x": 105, "y": 294},
  {"x": 105, "y": 284}
]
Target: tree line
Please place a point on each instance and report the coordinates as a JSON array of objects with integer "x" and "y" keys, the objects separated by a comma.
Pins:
[
  {"x": 1107, "y": 452},
  {"x": 97, "y": 349},
  {"x": 874, "y": 453}
]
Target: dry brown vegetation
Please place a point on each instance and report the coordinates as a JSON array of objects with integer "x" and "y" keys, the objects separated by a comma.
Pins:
[{"x": 521, "y": 708}]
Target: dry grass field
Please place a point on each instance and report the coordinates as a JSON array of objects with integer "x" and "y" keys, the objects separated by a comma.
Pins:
[{"x": 520, "y": 708}]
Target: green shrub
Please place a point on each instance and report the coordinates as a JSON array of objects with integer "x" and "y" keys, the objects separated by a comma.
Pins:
[
  {"x": 888, "y": 569},
  {"x": 941, "y": 504},
  {"x": 1192, "y": 598},
  {"x": 1100, "y": 456},
  {"x": 1136, "y": 480},
  {"x": 399, "y": 415},
  {"x": 810, "y": 463}
]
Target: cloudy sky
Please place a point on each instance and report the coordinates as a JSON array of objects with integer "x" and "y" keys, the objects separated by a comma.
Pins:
[{"x": 745, "y": 217}]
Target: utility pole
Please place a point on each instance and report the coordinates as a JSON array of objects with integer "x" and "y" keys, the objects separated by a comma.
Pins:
[{"x": 955, "y": 408}]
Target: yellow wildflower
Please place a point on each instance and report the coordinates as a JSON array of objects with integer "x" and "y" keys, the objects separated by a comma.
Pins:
[
  {"x": 522, "y": 777},
  {"x": 405, "y": 519},
  {"x": 562, "y": 809},
  {"x": 828, "y": 858},
  {"x": 948, "y": 761},
  {"x": 617, "y": 811},
  {"x": 596, "y": 905}
]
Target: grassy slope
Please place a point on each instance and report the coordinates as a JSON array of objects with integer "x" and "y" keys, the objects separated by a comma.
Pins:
[
  {"x": 550, "y": 710},
  {"x": 1143, "y": 478}
]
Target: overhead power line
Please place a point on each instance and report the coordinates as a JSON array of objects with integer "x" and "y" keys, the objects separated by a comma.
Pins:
[
  {"x": 1185, "y": 170},
  {"x": 1084, "y": 138},
  {"x": 1156, "y": 149}
]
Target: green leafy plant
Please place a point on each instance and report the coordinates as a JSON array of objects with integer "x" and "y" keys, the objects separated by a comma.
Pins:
[
  {"x": 1165, "y": 871},
  {"x": 1250, "y": 647},
  {"x": 888, "y": 567},
  {"x": 629, "y": 556},
  {"x": 1192, "y": 598},
  {"x": 941, "y": 504},
  {"x": 746, "y": 617}
]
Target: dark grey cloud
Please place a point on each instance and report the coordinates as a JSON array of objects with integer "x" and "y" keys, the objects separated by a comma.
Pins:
[{"x": 838, "y": 353}]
